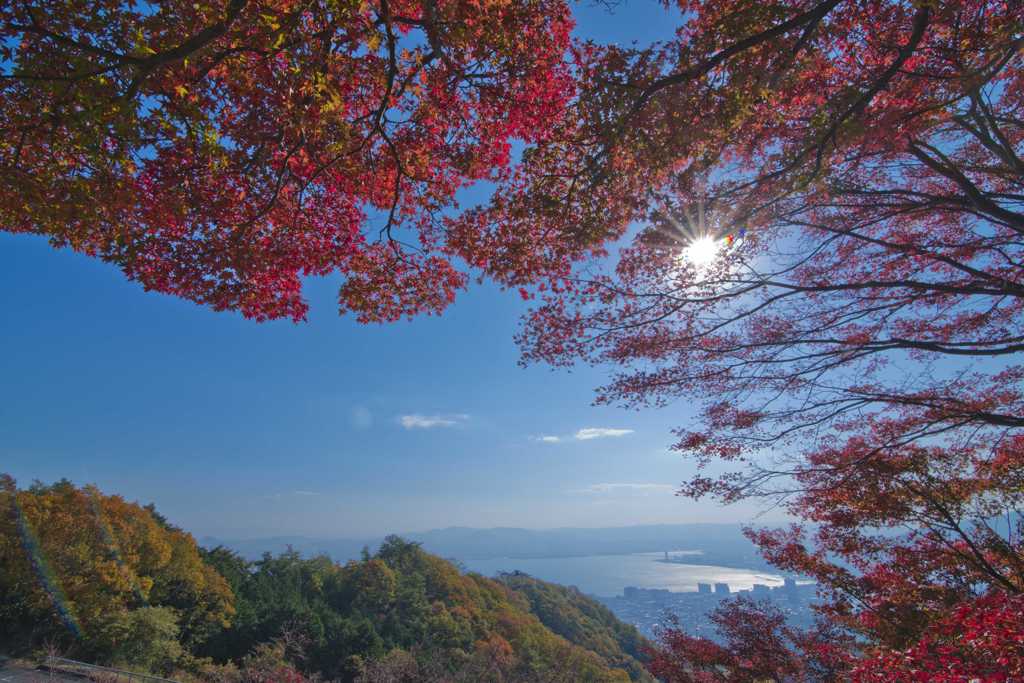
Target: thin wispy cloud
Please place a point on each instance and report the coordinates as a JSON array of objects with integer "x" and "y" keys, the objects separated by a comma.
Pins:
[
  {"x": 418, "y": 421},
  {"x": 609, "y": 488},
  {"x": 588, "y": 433},
  {"x": 585, "y": 434}
]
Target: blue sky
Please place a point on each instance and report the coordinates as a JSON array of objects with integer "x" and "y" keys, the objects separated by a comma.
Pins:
[{"x": 327, "y": 428}]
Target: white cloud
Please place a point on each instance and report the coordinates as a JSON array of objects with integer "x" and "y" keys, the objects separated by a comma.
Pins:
[
  {"x": 305, "y": 493},
  {"x": 585, "y": 434},
  {"x": 588, "y": 433},
  {"x": 417, "y": 421},
  {"x": 605, "y": 489}
]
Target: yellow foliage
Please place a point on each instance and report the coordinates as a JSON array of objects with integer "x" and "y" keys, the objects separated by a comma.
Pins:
[{"x": 101, "y": 555}]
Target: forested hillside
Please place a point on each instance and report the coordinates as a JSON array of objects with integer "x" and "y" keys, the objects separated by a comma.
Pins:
[
  {"x": 102, "y": 579},
  {"x": 582, "y": 620}
]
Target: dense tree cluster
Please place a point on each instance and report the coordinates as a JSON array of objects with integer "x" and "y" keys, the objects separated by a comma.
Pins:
[
  {"x": 401, "y": 608},
  {"x": 220, "y": 150},
  {"x": 110, "y": 581},
  {"x": 582, "y": 620},
  {"x": 96, "y": 571}
]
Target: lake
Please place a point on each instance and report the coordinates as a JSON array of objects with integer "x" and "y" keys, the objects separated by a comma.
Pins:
[{"x": 607, "y": 575}]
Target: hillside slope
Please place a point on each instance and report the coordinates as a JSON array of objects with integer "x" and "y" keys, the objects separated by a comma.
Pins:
[
  {"x": 583, "y": 621},
  {"x": 112, "y": 582},
  {"x": 398, "y": 611}
]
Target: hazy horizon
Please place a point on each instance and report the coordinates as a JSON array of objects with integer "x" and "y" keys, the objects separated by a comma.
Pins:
[{"x": 490, "y": 528}]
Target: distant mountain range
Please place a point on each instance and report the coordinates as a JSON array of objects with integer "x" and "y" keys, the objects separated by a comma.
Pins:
[{"x": 719, "y": 544}]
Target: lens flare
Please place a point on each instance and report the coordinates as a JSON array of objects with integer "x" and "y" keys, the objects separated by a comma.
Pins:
[
  {"x": 48, "y": 579},
  {"x": 702, "y": 251},
  {"x": 700, "y": 238}
]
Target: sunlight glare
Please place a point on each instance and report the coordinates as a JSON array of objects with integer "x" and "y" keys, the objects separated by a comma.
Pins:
[{"x": 702, "y": 250}]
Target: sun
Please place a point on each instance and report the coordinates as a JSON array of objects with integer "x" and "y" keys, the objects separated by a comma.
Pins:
[{"x": 702, "y": 251}]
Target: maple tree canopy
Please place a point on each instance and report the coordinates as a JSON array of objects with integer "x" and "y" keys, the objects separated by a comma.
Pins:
[
  {"x": 982, "y": 640},
  {"x": 219, "y": 151},
  {"x": 755, "y": 645},
  {"x": 829, "y": 263},
  {"x": 867, "y": 150}
]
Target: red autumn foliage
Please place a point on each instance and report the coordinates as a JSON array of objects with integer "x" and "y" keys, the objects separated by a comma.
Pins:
[
  {"x": 854, "y": 341},
  {"x": 982, "y": 641},
  {"x": 756, "y": 646},
  {"x": 869, "y": 151},
  {"x": 219, "y": 151},
  {"x": 978, "y": 641}
]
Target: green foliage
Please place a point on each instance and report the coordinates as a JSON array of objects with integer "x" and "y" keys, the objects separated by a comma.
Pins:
[
  {"x": 400, "y": 613},
  {"x": 583, "y": 621},
  {"x": 124, "y": 587},
  {"x": 144, "y": 639}
]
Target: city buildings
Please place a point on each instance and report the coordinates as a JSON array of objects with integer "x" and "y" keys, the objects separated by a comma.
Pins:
[{"x": 648, "y": 609}]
